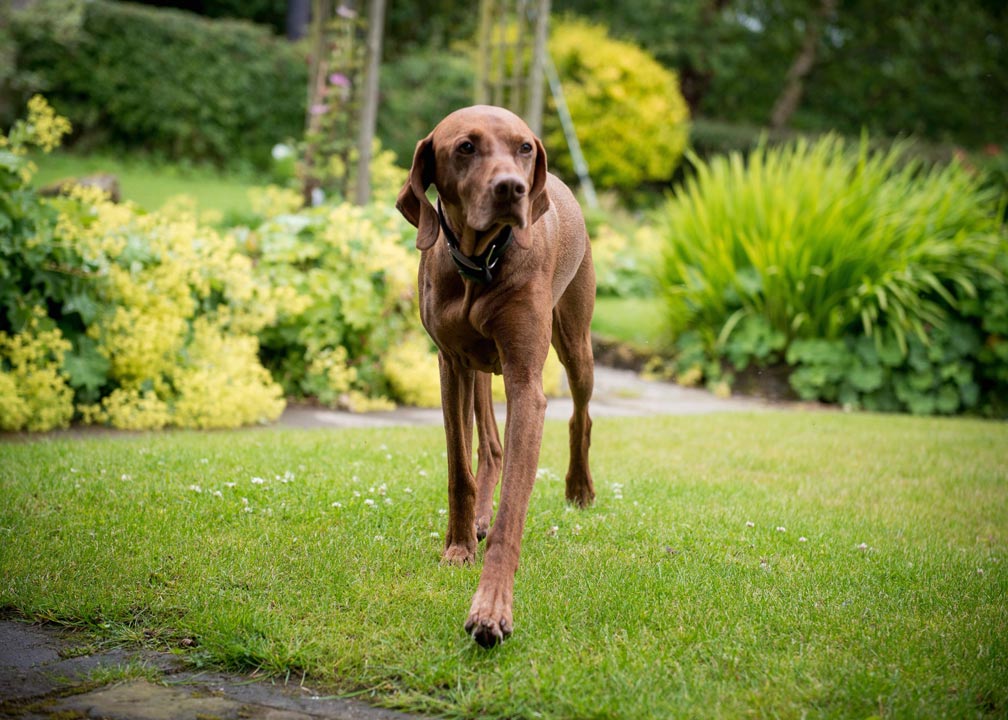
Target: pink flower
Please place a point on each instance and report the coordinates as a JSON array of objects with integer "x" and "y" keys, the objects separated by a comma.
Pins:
[
  {"x": 319, "y": 109},
  {"x": 344, "y": 12},
  {"x": 339, "y": 79}
]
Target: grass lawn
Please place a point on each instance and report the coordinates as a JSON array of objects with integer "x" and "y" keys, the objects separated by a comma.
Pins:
[
  {"x": 771, "y": 565},
  {"x": 150, "y": 185},
  {"x": 639, "y": 322}
]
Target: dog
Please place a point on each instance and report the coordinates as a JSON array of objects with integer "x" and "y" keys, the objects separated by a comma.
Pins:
[{"x": 505, "y": 269}]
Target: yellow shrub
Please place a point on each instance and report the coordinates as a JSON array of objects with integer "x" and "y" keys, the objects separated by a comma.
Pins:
[
  {"x": 411, "y": 368},
  {"x": 132, "y": 409},
  {"x": 14, "y": 412},
  {"x": 34, "y": 394},
  {"x": 630, "y": 117},
  {"x": 223, "y": 385}
]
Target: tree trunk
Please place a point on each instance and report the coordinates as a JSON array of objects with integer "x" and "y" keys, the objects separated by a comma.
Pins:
[
  {"x": 369, "y": 106},
  {"x": 794, "y": 82}
]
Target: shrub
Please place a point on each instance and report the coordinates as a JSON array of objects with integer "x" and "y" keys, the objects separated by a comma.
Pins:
[
  {"x": 352, "y": 272},
  {"x": 166, "y": 81},
  {"x": 630, "y": 117},
  {"x": 135, "y": 319},
  {"x": 812, "y": 242}
]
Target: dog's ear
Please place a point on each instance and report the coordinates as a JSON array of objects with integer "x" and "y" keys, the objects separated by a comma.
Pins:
[
  {"x": 412, "y": 201},
  {"x": 539, "y": 200}
]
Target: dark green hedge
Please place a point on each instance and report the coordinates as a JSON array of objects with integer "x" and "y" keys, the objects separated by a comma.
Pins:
[{"x": 166, "y": 81}]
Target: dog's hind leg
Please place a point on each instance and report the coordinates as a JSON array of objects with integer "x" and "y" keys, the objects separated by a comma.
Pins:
[
  {"x": 572, "y": 340},
  {"x": 457, "y": 405},
  {"x": 490, "y": 454}
]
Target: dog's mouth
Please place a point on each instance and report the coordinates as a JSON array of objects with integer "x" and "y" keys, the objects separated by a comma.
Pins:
[{"x": 498, "y": 214}]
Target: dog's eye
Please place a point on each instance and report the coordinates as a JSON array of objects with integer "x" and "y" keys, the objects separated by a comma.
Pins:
[
  {"x": 466, "y": 148},
  {"x": 525, "y": 148}
]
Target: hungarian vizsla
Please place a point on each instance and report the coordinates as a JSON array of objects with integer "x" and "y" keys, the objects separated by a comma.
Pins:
[{"x": 505, "y": 269}]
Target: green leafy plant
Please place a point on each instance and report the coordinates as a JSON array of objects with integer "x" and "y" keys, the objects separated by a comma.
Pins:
[{"x": 821, "y": 242}]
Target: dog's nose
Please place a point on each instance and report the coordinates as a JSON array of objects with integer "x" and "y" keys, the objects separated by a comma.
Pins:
[{"x": 509, "y": 187}]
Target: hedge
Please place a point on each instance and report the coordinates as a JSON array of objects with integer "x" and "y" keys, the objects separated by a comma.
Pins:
[{"x": 167, "y": 81}]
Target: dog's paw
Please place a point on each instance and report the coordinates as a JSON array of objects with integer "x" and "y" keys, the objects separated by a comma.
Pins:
[
  {"x": 581, "y": 498},
  {"x": 490, "y": 620},
  {"x": 482, "y": 526},
  {"x": 458, "y": 554},
  {"x": 579, "y": 489}
]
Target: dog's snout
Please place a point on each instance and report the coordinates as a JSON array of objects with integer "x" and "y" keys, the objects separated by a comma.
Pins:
[{"x": 509, "y": 187}]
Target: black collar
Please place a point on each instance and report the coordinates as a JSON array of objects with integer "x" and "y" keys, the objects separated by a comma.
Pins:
[{"x": 479, "y": 267}]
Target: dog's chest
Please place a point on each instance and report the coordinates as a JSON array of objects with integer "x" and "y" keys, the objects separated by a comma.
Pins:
[{"x": 457, "y": 320}]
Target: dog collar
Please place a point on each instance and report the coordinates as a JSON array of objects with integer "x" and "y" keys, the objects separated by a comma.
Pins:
[{"x": 476, "y": 267}]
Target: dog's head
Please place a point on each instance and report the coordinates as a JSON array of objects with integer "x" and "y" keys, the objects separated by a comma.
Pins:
[{"x": 486, "y": 162}]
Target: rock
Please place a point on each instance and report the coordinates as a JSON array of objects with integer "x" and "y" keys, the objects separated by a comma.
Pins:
[{"x": 106, "y": 182}]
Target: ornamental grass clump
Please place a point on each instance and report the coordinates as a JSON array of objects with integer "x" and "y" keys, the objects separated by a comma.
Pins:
[{"x": 821, "y": 241}]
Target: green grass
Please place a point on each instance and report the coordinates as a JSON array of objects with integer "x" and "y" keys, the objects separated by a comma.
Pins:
[
  {"x": 150, "y": 185},
  {"x": 883, "y": 594},
  {"x": 637, "y": 321}
]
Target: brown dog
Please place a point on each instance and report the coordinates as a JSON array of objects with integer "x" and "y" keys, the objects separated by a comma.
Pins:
[{"x": 506, "y": 267}]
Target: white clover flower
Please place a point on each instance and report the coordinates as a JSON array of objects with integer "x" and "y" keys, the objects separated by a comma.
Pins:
[
  {"x": 408, "y": 491},
  {"x": 553, "y": 531},
  {"x": 750, "y": 523},
  {"x": 781, "y": 528},
  {"x": 369, "y": 502},
  {"x": 442, "y": 511},
  {"x": 862, "y": 547},
  {"x": 356, "y": 494},
  {"x": 258, "y": 480},
  {"x": 435, "y": 534},
  {"x": 422, "y": 473},
  {"x": 196, "y": 488},
  {"x": 388, "y": 501},
  {"x": 229, "y": 484},
  {"x": 803, "y": 539},
  {"x": 337, "y": 504},
  {"x": 126, "y": 477},
  {"x": 218, "y": 493}
]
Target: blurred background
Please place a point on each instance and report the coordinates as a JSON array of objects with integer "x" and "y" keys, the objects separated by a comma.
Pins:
[{"x": 798, "y": 199}]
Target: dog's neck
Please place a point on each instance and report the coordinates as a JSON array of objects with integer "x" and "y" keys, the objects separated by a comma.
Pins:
[{"x": 475, "y": 254}]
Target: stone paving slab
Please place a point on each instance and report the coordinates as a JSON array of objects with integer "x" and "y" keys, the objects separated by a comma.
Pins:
[{"x": 42, "y": 676}]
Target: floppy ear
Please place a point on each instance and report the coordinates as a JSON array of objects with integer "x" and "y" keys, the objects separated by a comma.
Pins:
[
  {"x": 412, "y": 201},
  {"x": 539, "y": 201}
]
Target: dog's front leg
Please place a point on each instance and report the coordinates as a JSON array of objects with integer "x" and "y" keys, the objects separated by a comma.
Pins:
[
  {"x": 457, "y": 406},
  {"x": 490, "y": 615}
]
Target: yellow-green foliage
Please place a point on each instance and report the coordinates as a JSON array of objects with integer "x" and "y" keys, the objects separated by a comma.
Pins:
[
  {"x": 411, "y": 367},
  {"x": 629, "y": 114},
  {"x": 150, "y": 319},
  {"x": 180, "y": 309},
  {"x": 349, "y": 278},
  {"x": 34, "y": 394}
]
